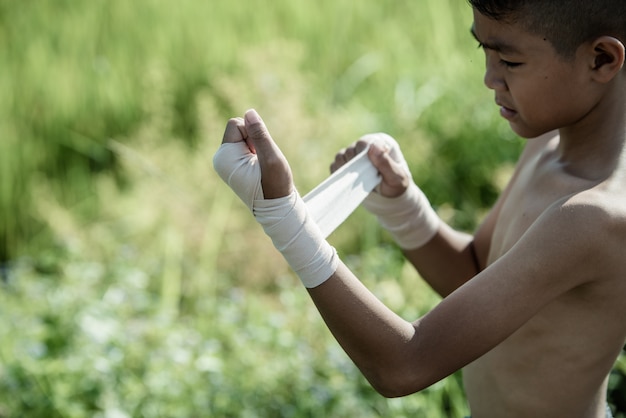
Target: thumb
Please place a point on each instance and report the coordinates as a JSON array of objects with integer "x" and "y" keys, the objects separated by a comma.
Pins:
[
  {"x": 395, "y": 179},
  {"x": 257, "y": 132},
  {"x": 276, "y": 177}
]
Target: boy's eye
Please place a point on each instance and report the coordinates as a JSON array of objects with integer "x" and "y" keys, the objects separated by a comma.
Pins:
[{"x": 510, "y": 64}]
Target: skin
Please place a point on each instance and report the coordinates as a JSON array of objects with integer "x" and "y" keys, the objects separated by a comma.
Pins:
[{"x": 533, "y": 300}]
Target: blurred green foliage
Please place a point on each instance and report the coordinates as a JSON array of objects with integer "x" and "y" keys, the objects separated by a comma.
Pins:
[{"x": 133, "y": 283}]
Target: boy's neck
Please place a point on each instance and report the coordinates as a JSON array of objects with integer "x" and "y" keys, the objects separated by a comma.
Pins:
[{"x": 593, "y": 147}]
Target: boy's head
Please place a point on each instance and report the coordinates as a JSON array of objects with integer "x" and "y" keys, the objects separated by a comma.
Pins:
[{"x": 566, "y": 24}]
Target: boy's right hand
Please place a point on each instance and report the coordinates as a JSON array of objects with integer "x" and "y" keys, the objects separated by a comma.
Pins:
[
  {"x": 385, "y": 155},
  {"x": 400, "y": 206}
]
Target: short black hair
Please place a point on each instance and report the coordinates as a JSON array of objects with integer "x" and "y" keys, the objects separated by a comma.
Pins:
[{"x": 566, "y": 24}]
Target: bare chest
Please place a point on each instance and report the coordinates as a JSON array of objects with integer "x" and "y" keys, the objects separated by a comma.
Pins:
[{"x": 539, "y": 185}]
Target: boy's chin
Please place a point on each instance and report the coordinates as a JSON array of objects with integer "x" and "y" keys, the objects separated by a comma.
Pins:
[{"x": 527, "y": 132}]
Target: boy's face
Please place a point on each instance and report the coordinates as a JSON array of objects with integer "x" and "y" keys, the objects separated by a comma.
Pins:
[{"x": 537, "y": 90}]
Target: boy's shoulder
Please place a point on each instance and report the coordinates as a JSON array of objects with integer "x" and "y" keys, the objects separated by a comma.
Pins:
[
  {"x": 600, "y": 209},
  {"x": 587, "y": 217},
  {"x": 585, "y": 204},
  {"x": 593, "y": 221}
]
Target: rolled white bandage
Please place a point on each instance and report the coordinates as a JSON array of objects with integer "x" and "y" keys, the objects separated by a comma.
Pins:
[
  {"x": 409, "y": 218},
  {"x": 333, "y": 200}
]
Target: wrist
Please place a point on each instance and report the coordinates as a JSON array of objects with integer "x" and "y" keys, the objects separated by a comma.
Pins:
[
  {"x": 409, "y": 218},
  {"x": 295, "y": 234}
]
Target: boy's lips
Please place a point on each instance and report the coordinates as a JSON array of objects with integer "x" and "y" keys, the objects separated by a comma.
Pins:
[{"x": 505, "y": 111}]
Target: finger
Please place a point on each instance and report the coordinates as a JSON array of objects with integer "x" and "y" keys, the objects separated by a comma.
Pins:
[
  {"x": 275, "y": 171},
  {"x": 349, "y": 153},
  {"x": 389, "y": 142},
  {"x": 342, "y": 157},
  {"x": 392, "y": 172},
  {"x": 235, "y": 131},
  {"x": 346, "y": 154},
  {"x": 362, "y": 143},
  {"x": 339, "y": 160}
]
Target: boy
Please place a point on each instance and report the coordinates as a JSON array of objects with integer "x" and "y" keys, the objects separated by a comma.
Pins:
[{"x": 533, "y": 306}]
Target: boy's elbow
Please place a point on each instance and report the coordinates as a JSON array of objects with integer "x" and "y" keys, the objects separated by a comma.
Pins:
[
  {"x": 395, "y": 384},
  {"x": 391, "y": 391}
]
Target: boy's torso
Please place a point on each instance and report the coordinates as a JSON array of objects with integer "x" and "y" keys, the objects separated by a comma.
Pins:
[{"x": 556, "y": 364}]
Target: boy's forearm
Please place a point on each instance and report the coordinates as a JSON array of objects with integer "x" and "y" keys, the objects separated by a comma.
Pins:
[
  {"x": 375, "y": 338},
  {"x": 399, "y": 357},
  {"x": 447, "y": 261}
]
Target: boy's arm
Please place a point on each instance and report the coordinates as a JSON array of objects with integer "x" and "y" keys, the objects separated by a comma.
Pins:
[
  {"x": 448, "y": 260},
  {"x": 451, "y": 257},
  {"x": 445, "y": 258},
  {"x": 400, "y": 357}
]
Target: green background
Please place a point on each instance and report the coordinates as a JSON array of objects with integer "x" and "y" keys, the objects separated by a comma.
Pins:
[{"x": 134, "y": 284}]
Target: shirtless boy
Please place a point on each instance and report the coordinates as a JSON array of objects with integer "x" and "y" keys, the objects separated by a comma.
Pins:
[{"x": 533, "y": 305}]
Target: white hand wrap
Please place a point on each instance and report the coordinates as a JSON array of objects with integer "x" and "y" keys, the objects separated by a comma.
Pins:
[
  {"x": 296, "y": 235},
  {"x": 239, "y": 168},
  {"x": 409, "y": 218},
  {"x": 285, "y": 220}
]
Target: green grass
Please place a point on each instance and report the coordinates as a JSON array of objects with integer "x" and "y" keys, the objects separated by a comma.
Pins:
[{"x": 137, "y": 284}]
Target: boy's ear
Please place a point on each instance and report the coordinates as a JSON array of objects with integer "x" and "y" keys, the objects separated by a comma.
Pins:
[{"x": 608, "y": 58}]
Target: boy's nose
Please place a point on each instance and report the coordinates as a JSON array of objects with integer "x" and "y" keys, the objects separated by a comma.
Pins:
[
  {"x": 493, "y": 78},
  {"x": 493, "y": 81}
]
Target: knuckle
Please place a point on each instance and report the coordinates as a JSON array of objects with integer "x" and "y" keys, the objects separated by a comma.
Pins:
[
  {"x": 232, "y": 132},
  {"x": 368, "y": 138},
  {"x": 361, "y": 145}
]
